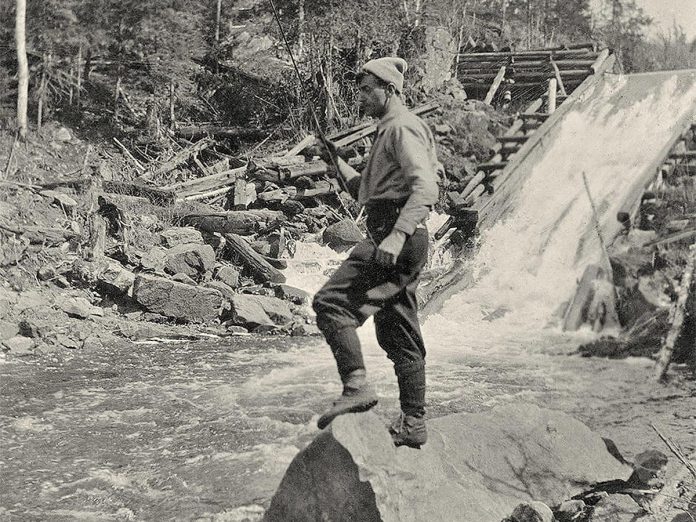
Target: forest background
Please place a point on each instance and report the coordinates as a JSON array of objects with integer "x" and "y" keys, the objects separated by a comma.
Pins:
[{"x": 128, "y": 66}]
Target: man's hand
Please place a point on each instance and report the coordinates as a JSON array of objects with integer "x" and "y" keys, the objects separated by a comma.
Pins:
[{"x": 389, "y": 249}]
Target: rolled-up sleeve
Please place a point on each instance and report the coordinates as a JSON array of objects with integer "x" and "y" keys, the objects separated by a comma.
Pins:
[{"x": 414, "y": 151}]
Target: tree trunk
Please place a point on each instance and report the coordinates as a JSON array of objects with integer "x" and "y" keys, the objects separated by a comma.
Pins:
[
  {"x": 23, "y": 69},
  {"x": 79, "y": 76},
  {"x": 217, "y": 21},
  {"x": 117, "y": 93},
  {"x": 300, "y": 28},
  {"x": 172, "y": 117},
  {"x": 42, "y": 92}
]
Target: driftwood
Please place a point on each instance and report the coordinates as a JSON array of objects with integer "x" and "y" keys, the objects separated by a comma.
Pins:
[
  {"x": 672, "y": 238},
  {"x": 38, "y": 235},
  {"x": 197, "y": 131},
  {"x": 677, "y": 317},
  {"x": 179, "y": 158},
  {"x": 242, "y": 222},
  {"x": 130, "y": 156},
  {"x": 261, "y": 268},
  {"x": 155, "y": 195}
]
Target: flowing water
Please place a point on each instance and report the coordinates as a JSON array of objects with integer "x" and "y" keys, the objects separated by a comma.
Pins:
[{"x": 206, "y": 430}]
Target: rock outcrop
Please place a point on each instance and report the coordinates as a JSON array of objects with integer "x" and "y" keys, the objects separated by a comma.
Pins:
[{"x": 475, "y": 467}]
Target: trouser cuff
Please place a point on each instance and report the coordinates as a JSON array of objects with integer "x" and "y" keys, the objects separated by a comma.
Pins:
[{"x": 411, "y": 378}]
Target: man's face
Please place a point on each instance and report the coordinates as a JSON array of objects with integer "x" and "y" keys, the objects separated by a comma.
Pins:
[{"x": 373, "y": 96}]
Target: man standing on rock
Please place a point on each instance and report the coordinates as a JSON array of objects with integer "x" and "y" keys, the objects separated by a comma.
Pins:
[{"x": 398, "y": 187}]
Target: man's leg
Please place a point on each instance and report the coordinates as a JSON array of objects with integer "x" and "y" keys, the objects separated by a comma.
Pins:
[
  {"x": 398, "y": 333},
  {"x": 341, "y": 306}
]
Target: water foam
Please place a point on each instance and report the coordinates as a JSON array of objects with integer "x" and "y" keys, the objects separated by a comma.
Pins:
[{"x": 529, "y": 262}]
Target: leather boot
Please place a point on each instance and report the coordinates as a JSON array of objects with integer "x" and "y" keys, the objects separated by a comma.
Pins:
[
  {"x": 408, "y": 430},
  {"x": 357, "y": 396}
]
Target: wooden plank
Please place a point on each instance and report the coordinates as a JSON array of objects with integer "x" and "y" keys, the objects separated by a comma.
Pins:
[
  {"x": 179, "y": 158},
  {"x": 494, "y": 86},
  {"x": 192, "y": 186},
  {"x": 559, "y": 78},
  {"x": 153, "y": 194},
  {"x": 485, "y": 208},
  {"x": 302, "y": 145},
  {"x": 551, "y": 98},
  {"x": 260, "y": 268}
]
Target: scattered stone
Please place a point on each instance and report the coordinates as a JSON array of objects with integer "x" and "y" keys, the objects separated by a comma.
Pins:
[
  {"x": 30, "y": 300},
  {"x": 92, "y": 342},
  {"x": 67, "y": 342},
  {"x": 62, "y": 135},
  {"x": 183, "y": 278},
  {"x": 34, "y": 329},
  {"x": 292, "y": 294},
  {"x": 12, "y": 249},
  {"x": 300, "y": 330},
  {"x": 79, "y": 307},
  {"x": 63, "y": 200},
  {"x": 154, "y": 259},
  {"x": 245, "y": 310},
  {"x": 442, "y": 129},
  {"x": 194, "y": 260},
  {"x": 531, "y": 512},
  {"x": 8, "y": 330},
  {"x": 46, "y": 272},
  {"x": 177, "y": 300},
  {"x": 476, "y": 467},
  {"x": 277, "y": 309},
  {"x": 648, "y": 465},
  {"x": 19, "y": 345},
  {"x": 228, "y": 275},
  {"x": 236, "y": 329},
  {"x": 342, "y": 236},
  {"x": 176, "y": 236},
  {"x": 116, "y": 278},
  {"x": 226, "y": 291},
  {"x": 570, "y": 510},
  {"x": 616, "y": 508},
  {"x": 267, "y": 329}
]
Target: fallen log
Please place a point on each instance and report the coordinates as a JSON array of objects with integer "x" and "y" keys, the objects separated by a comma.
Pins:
[
  {"x": 242, "y": 222},
  {"x": 213, "y": 181},
  {"x": 261, "y": 268},
  {"x": 678, "y": 315}
]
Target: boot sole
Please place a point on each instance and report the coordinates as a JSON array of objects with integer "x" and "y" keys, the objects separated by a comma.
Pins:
[{"x": 326, "y": 419}]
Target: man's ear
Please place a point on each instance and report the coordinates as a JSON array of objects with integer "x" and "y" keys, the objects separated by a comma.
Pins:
[{"x": 391, "y": 89}]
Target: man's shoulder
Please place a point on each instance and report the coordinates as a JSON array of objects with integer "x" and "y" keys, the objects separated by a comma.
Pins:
[{"x": 404, "y": 118}]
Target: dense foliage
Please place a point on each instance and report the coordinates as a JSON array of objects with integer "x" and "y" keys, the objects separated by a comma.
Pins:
[{"x": 156, "y": 47}]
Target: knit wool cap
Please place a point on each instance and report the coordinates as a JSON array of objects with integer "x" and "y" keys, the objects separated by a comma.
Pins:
[{"x": 389, "y": 69}]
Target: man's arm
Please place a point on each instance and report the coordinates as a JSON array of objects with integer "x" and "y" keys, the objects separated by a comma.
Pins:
[
  {"x": 416, "y": 157},
  {"x": 350, "y": 176}
]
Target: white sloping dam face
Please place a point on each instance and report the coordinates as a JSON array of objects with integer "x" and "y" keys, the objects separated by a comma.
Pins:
[{"x": 532, "y": 256}]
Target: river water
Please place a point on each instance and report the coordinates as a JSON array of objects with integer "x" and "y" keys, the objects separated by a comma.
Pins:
[{"x": 205, "y": 430}]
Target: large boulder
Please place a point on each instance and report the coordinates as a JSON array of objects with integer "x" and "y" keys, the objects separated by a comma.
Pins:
[
  {"x": 254, "y": 310},
  {"x": 193, "y": 259},
  {"x": 175, "y": 236},
  {"x": 342, "y": 235},
  {"x": 177, "y": 300},
  {"x": 474, "y": 468},
  {"x": 246, "y": 311}
]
